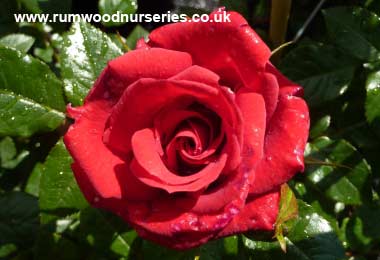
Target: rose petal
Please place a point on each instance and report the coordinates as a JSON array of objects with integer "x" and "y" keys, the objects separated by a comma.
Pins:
[
  {"x": 259, "y": 213},
  {"x": 149, "y": 168},
  {"x": 142, "y": 63},
  {"x": 198, "y": 74},
  {"x": 253, "y": 112},
  {"x": 285, "y": 142},
  {"x": 129, "y": 115},
  {"x": 252, "y": 107},
  {"x": 95, "y": 165},
  {"x": 84, "y": 142},
  {"x": 235, "y": 59},
  {"x": 266, "y": 84}
]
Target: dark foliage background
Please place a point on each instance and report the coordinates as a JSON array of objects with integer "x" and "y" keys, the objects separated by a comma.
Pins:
[{"x": 43, "y": 215}]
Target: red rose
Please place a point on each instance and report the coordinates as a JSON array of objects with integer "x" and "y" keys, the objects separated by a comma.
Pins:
[{"x": 189, "y": 137}]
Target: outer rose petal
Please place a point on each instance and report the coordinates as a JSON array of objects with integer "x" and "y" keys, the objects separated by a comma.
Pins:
[
  {"x": 95, "y": 165},
  {"x": 252, "y": 107},
  {"x": 82, "y": 143},
  {"x": 284, "y": 145},
  {"x": 259, "y": 213},
  {"x": 231, "y": 49},
  {"x": 142, "y": 63}
]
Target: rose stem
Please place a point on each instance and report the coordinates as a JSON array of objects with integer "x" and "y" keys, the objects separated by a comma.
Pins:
[{"x": 279, "y": 16}]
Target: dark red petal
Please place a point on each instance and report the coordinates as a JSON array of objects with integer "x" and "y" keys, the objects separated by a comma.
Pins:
[
  {"x": 129, "y": 115},
  {"x": 285, "y": 142},
  {"x": 150, "y": 169},
  {"x": 142, "y": 63},
  {"x": 198, "y": 74},
  {"x": 259, "y": 213},
  {"x": 266, "y": 84},
  {"x": 252, "y": 107},
  {"x": 231, "y": 49},
  {"x": 98, "y": 164},
  {"x": 84, "y": 142},
  {"x": 173, "y": 222}
]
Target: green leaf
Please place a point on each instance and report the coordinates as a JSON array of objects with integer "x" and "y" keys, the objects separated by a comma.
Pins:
[
  {"x": 21, "y": 116},
  {"x": 355, "y": 30},
  {"x": 19, "y": 41},
  {"x": 29, "y": 77},
  {"x": 311, "y": 237},
  {"x": 288, "y": 210},
  {"x": 59, "y": 192},
  {"x": 33, "y": 184},
  {"x": 137, "y": 33},
  {"x": 6, "y": 250},
  {"x": 362, "y": 230},
  {"x": 98, "y": 230},
  {"x": 31, "y": 5},
  {"x": 45, "y": 54},
  {"x": 211, "y": 250},
  {"x": 50, "y": 245},
  {"x": 320, "y": 126},
  {"x": 112, "y": 7},
  {"x": 372, "y": 105},
  {"x": 18, "y": 218},
  {"x": 338, "y": 171},
  {"x": 322, "y": 70},
  {"x": 8, "y": 154},
  {"x": 85, "y": 53}
]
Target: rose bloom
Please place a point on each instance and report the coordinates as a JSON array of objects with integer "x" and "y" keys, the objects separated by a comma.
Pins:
[{"x": 190, "y": 136}]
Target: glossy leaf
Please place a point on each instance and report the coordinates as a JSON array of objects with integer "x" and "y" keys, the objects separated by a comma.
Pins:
[
  {"x": 33, "y": 184},
  {"x": 338, "y": 171},
  {"x": 85, "y": 53},
  {"x": 112, "y": 7},
  {"x": 9, "y": 158},
  {"x": 44, "y": 54},
  {"x": 20, "y": 116},
  {"x": 355, "y": 30},
  {"x": 288, "y": 210},
  {"x": 311, "y": 237},
  {"x": 324, "y": 77},
  {"x": 362, "y": 230},
  {"x": 319, "y": 127},
  {"x": 59, "y": 192},
  {"x": 18, "y": 218},
  {"x": 29, "y": 77},
  {"x": 18, "y": 41},
  {"x": 373, "y": 97},
  {"x": 103, "y": 235}
]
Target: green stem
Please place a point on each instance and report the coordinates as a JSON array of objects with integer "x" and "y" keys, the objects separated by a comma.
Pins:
[
  {"x": 280, "y": 11},
  {"x": 310, "y": 160}
]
